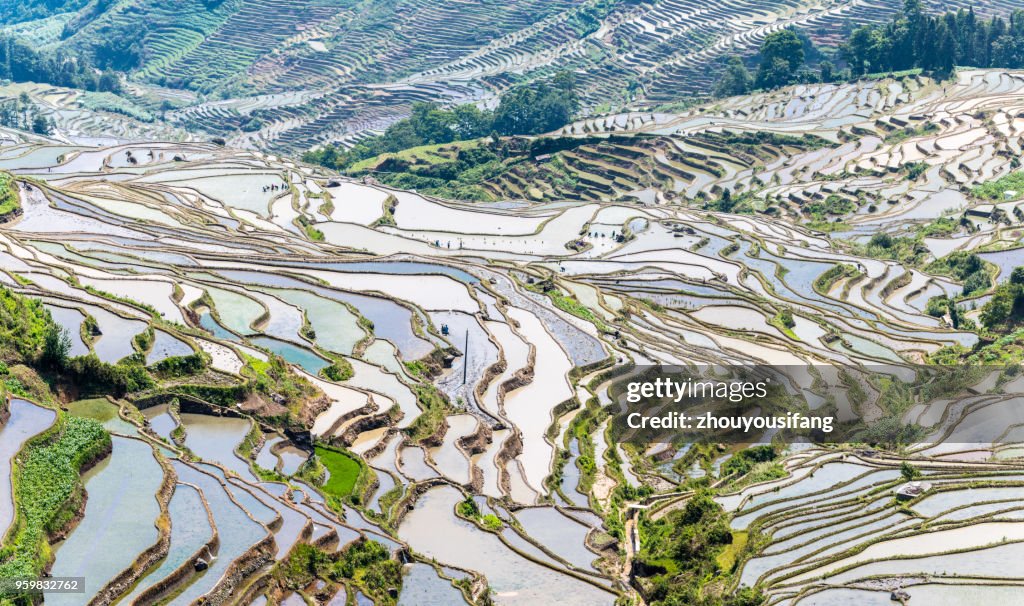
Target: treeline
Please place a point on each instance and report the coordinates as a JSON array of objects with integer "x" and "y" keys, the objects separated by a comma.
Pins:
[
  {"x": 524, "y": 110},
  {"x": 911, "y": 40},
  {"x": 29, "y": 10},
  {"x": 30, "y": 336},
  {"x": 22, "y": 63},
  {"x": 783, "y": 57},
  {"x": 936, "y": 42}
]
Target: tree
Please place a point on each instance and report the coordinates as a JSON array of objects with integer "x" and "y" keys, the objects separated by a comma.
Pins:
[
  {"x": 786, "y": 317},
  {"x": 735, "y": 80},
  {"x": 1005, "y": 309},
  {"x": 725, "y": 203},
  {"x": 782, "y": 55},
  {"x": 56, "y": 345},
  {"x": 827, "y": 71},
  {"x": 774, "y": 74},
  {"x": 470, "y": 122},
  {"x": 109, "y": 82},
  {"x": 41, "y": 126},
  {"x": 861, "y": 51},
  {"x": 535, "y": 109}
]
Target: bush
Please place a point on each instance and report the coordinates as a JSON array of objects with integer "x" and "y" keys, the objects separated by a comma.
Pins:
[
  {"x": 1005, "y": 310},
  {"x": 90, "y": 373},
  {"x": 179, "y": 366},
  {"x": 786, "y": 318},
  {"x": 56, "y": 345},
  {"x": 339, "y": 371},
  {"x": 909, "y": 472},
  {"x": 9, "y": 199},
  {"x": 744, "y": 460},
  {"x": 25, "y": 326},
  {"x": 979, "y": 281}
]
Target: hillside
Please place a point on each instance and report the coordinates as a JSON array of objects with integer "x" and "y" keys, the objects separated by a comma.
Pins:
[
  {"x": 292, "y": 74},
  {"x": 419, "y": 369},
  {"x": 404, "y": 367}
]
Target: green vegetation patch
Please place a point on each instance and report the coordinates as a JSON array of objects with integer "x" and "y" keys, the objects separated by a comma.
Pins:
[
  {"x": 527, "y": 109},
  {"x": 688, "y": 556},
  {"x": 273, "y": 378},
  {"x": 730, "y": 554},
  {"x": 9, "y": 199},
  {"x": 903, "y": 134},
  {"x": 434, "y": 407},
  {"x": 908, "y": 250},
  {"x": 468, "y": 509},
  {"x": 25, "y": 326},
  {"x": 110, "y": 102},
  {"x": 1010, "y": 187},
  {"x": 365, "y": 564},
  {"x": 343, "y": 471},
  {"x": 828, "y": 279},
  {"x": 340, "y": 370},
  {"x": 964, "y": 266},
  {"x": 48, "y": 491},
  {"x": 566, "y": 302}
]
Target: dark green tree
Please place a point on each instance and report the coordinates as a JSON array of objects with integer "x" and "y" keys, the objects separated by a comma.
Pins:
[
  {"x": 782, "y": 55},
  {"x": 41, "y": 126},
  {"x": 56, "y": 345},
  {"x": 735, "y": 80}
]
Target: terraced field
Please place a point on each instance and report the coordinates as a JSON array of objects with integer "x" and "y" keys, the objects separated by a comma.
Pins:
[
  {"x": 335, "y": 360},
  {"x": 289, "y": 75}
]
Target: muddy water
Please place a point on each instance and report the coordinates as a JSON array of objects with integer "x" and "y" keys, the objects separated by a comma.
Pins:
[
  {"x": 485, "y": 461},
  {"x": 105, "y": 412},
  {"x": 121, "y": 512},
  {"x": 965, "y": 537},
  {"x": 562, "y": 536},
  {"x": 336, "y": 327},
  {"x": 116, "y": 340},
  {"x": 26, "y": 420},
  {"x": 413, "y": 465},
  {"x": 214, "y": 439},
  {"x": 433, "y": 530},
  {"x": 160, "y": 420},
  {"x": 265, "y": 458},
  {"x": 847, "y": 597},
  {"x": 529, "y": 407},
  {"x": 190, "y": 530},
  {"x": 1002, "y": 561},
  {"x": 166, "y": 346},
  {"x": 571, "y": 476},
  {"x": 71, "y": 321},
  {"x": 293, "y": 354},
  {"x": 385, "y": 482},
  {"x": 448, "y": 458},
  {"x": 237, "y": 531},
  {"x": 421, "y": 585},
  {"x": 291, "y": 459},
  {"x": 391, "y": 321}
]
